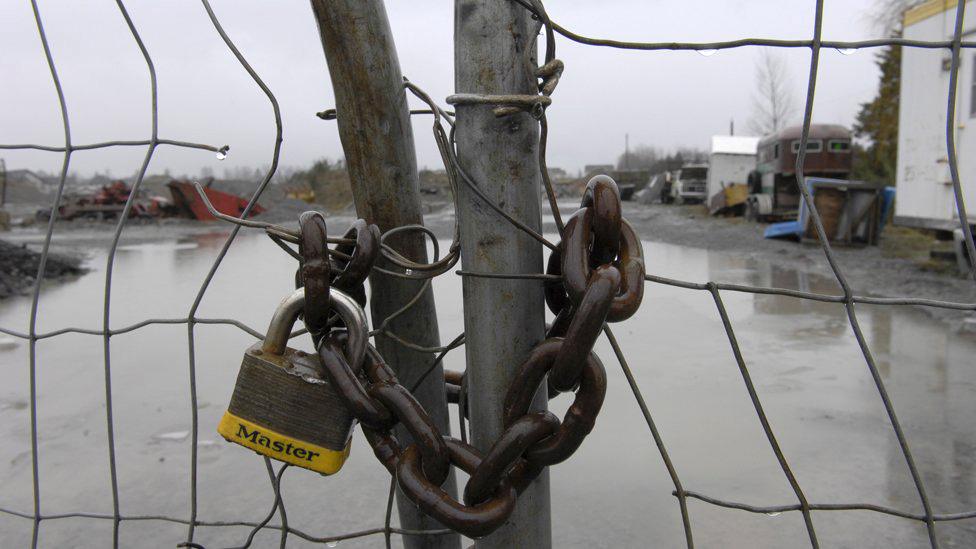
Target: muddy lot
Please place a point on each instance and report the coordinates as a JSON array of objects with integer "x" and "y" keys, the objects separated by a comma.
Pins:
[
  {"x": 899, "y": 267},
  {"x": 804, "y": 361}
]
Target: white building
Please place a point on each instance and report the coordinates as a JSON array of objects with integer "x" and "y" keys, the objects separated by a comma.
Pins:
[
  {"x": 26, "y": 177},
  {"x": 925, "y": 194},
  {"x": 730, "y": 160}
]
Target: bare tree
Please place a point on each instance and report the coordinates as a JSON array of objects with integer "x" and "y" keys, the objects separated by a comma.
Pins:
[
  {"x": 887, "y": 15},
  {"x": 642, "y": 157},
  {"x": 773, "y": 103}
]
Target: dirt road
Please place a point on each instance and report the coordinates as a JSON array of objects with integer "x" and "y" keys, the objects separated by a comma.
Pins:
[{"x": 899, "y": 267}]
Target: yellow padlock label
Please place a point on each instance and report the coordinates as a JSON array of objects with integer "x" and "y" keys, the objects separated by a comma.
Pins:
[{"x": 280, "y": 447}]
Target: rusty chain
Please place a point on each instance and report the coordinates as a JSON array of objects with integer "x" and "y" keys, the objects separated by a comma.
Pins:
[
  {"x": 600, "y": 265},
  {"x": 600, "y": 270}
]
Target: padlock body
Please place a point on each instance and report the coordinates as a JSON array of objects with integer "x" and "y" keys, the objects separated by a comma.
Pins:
[{"x": 284, "y": 408}]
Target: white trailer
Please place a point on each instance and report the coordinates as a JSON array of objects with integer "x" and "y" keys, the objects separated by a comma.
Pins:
[
  {"x": 925, "y": 194},
  {"x": 730, "y": 160}
]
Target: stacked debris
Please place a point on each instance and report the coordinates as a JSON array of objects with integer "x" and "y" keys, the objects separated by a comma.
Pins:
[{"x": 108, "y": 202}]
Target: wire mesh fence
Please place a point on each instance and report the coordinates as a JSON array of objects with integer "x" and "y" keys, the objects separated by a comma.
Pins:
[{"x": 849, "y": 299}]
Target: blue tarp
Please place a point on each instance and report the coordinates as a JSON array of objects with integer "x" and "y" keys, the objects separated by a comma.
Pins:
[
  {"x": 887, "y": 202},
  {"x": 786, "y": 229}
]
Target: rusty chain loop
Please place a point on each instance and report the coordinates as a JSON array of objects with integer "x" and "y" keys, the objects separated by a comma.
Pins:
[
  {"x": 351, "y": 274},
  {"x": 321, "y": 269},
  {"x": 412, "y": 415},
  {"x": 315, "y": 271},
  {"x": 584, "y": 327},
  {"x": 595, "y": 235},
  {"x": 471, "y": 520},
  {"x": 602, "y": 197},
  {"x": 517, "y": 438},
  {"x": 601, "y": 268},
  {"x": 581, "y": 416},
  {"x": 344, "y": 377}
]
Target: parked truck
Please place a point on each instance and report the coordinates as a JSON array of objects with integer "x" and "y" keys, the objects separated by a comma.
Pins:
[{"x": 689, "y": 184}]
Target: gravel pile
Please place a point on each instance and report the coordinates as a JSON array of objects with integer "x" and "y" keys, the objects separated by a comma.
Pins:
[{"x": 18, "y": 268}]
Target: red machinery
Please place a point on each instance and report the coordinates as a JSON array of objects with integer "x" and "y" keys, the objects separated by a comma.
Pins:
[{"x": 189, "y": 203}]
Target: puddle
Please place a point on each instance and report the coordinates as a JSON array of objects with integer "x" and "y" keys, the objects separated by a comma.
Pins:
[
  {"x": 803, "y": 359},
  {"x": 13, "y": 404},
  {"x": 155, "y": 247},
  {"x": 174, "y": 436}
]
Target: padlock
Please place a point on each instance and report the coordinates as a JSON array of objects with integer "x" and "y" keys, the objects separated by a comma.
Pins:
[{"x": 284, "y": 406}]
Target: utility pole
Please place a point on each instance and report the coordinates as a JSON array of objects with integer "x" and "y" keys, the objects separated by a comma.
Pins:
[
  {"x": 495, "y": 54},
  {"x": 626, "y": 151},
  {"x": 4, "y": 216},
  {"x": 3, "y": 182},
  {"x": 376, "y": 135}
]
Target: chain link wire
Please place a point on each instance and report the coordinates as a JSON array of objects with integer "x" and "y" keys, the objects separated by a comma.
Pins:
[{"x": 549, "y": 73}]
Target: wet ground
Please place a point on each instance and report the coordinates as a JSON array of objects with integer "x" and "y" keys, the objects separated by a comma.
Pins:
[
  {"x": 615, "y": 492},
  {"x": 900, "y": 266}
]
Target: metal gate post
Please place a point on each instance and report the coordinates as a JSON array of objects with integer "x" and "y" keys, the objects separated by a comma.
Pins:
[
  {"x": 376, "y": 135},
  {"x": 495, "y": 54}
]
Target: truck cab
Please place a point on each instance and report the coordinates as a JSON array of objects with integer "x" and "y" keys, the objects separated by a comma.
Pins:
[{"x": 689, "y": 183}]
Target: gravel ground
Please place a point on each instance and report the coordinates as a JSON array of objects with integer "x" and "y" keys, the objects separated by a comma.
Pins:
[
  {"x": 18, "y": 268},
  {"x": 898, "y": 267}
]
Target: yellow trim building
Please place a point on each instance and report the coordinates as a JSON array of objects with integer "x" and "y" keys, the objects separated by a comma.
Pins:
[
  {"x": 926, "y": 193},
  {"x": 928, "y": 9}
]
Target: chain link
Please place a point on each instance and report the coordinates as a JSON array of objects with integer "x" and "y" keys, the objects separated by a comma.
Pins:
[
  {"x": 600, "y": 265},
  {"x": 314, "y": 271}
]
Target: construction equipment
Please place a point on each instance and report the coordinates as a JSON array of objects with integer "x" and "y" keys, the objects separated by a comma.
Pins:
[{"x": 188, "y": 203}]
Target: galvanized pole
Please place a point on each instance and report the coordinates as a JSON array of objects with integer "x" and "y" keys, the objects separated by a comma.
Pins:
[
  {"x": 374, "y": 127},
  {"x": 495, "y": 54}
]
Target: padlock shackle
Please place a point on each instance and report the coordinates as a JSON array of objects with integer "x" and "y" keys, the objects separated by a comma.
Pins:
[{"x": 352, "y": 315}]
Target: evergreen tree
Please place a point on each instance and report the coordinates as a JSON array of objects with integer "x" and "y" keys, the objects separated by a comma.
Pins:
[{"x": 877, "y": 124}]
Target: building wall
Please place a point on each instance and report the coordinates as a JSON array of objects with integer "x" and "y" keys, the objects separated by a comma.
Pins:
[
  {"x": 727, "y": 169},
  {"x": 925, "y": 195}
]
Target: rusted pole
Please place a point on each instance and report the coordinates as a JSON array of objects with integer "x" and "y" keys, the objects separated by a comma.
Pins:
[
  {"x": 495, "y": 54},
  {"x": 374, "y": 127}
]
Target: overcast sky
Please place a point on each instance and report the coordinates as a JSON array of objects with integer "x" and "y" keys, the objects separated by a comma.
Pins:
[{"x": 665, "y": 99}]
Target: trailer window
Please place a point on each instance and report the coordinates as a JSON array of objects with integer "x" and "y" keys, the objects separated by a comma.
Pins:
[
  {"x": 839, "y": 146},
  {"x": 813, "y": 146}
]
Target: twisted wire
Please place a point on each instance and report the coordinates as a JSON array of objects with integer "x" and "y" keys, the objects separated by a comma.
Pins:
[{"x": 457, "y": 175}]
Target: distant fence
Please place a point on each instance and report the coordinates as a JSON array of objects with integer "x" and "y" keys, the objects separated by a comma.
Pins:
[{"x": 849, "y": 299}]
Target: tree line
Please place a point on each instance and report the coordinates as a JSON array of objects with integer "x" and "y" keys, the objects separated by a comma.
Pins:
[{"x": 655, "y": 160}]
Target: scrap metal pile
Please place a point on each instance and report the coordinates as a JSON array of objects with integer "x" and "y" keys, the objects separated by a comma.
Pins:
[{"x": 109, "y": 202}]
